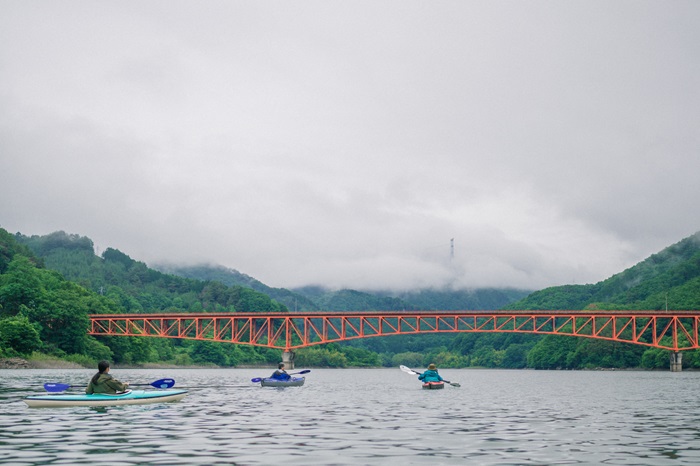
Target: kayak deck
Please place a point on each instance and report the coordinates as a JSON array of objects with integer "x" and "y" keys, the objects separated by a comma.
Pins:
[
  {"x": 433, "y": 385},
  {"x": 293, "y": 382},
  {"x": 130, "y": 397}
]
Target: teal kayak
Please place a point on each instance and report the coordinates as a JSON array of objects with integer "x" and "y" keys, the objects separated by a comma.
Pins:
[{"x": 129, "y": 397}]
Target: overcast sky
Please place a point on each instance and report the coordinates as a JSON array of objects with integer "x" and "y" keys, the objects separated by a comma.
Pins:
[{"x": 346, "y": 143}]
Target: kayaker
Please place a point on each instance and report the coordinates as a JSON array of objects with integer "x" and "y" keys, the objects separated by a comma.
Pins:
[
  {"x": 102, "y": 382},
  {"x": 431, "y": 375},
  {"x": 280, "y": 373}
]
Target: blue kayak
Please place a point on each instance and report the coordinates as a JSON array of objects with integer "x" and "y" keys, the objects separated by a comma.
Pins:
[
  {"x": 129, "y": 397},
  {"x": 291, "y": 382}
]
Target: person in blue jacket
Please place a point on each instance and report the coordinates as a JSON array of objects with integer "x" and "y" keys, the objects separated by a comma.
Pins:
[
  {"x": 431, "y": 375},
  {"x": 280, "y": 373}
]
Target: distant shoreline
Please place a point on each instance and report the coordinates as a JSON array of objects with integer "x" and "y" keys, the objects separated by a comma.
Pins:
[{"x": 21, "y": 363}]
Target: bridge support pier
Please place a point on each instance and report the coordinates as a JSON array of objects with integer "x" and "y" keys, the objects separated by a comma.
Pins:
[
  {"x": 676, "y": 358},
  {"x": 288, "y": 359}
]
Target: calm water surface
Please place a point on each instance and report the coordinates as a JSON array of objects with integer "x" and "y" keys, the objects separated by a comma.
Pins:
[{"x": 364, "y": 416}]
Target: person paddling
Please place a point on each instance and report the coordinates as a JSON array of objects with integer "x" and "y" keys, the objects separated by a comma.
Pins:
[
  {"x": 431, "y": 375},
  {"x": 280, "y": 373},
  {"x": 102, "y": 382}
]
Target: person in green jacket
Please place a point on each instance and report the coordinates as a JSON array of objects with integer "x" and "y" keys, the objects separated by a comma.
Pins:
[
  {"x": 102, "y": 382},
  {"x": 431, "y": 375}
]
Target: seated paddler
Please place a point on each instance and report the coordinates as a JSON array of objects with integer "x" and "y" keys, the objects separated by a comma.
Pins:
[
  {"x": 431, "y": 375},
  {"x": 102, "y": 382},
  {"x": 280, "y": 373}
]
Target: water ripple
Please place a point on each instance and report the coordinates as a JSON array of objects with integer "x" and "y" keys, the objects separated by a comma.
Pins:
[{"x": 379, "y": 416}]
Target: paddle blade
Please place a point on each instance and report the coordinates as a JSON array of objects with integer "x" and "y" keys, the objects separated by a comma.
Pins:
[
  {"x": 455, "y": 384},
  {"x": 56, "y": 387},
  {"x": 408, "y": 370},
  {"x": 256, "y": 380},
  {"x": 163, "y": 383},
  {"x": 305, "y": 371}
]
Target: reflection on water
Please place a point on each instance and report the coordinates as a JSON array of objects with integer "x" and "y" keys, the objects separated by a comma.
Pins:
[{"x": 364, "y": 416}]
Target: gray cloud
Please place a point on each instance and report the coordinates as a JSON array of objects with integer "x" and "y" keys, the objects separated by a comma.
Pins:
[{"x": 345, "y": 144}]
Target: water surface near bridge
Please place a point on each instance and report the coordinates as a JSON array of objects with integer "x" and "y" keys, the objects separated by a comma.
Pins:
[{"x": 364, "y": 416}]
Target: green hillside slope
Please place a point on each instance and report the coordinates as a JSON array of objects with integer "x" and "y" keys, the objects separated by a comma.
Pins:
[
  {"x": 135, "y": 286},
  {"x": 232, "y": 277},
  {"x": 669, "y": 278},
  {"x": 75, "y": 282}
]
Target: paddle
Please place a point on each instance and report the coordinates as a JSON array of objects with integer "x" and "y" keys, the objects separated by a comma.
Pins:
[
  {"x": 161, "y": 383},
  {"x": 62, "y": 387},
  {"x": 305, "y": 371},
  {"x": 408, "y": 370},
  {"x": 56, "y": 387}
]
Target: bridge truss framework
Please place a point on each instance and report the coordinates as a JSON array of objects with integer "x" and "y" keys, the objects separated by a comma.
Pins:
[{"x": 672, "y": 330}]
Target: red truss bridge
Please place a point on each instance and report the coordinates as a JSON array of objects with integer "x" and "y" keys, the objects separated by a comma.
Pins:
[{"x": 672, "y": 330}]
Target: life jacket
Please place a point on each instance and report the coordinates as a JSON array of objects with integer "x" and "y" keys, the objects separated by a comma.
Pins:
[
  {"x": 430, "y": 376},
  {"x": 280, "y": 375}
]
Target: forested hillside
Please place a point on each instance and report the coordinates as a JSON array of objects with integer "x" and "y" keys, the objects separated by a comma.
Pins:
[
  {"x": 231, "y": 277},
  {"x": 135, "y": 286},
  {"x": 316, "y": 298},
  {"x": 387, "y": 351},
  {"x": 669, "y": 279},
  {"x": 455, "y": 300},
  {"x": 40, "y": 310},
  {"x": 49, "y": 284}
]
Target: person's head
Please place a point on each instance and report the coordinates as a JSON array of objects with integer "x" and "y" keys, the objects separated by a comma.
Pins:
[
  {"x": 432, "y": 367},
  {"x": 102, "y": 366},
  {"x": 280, "y": 366}
]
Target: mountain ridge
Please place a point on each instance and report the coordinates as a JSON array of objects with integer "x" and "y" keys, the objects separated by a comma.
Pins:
[{"x": 669, "y": 278}]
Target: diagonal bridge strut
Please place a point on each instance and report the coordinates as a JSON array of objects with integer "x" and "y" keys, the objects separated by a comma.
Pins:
[{"x": 672, "y": 330}]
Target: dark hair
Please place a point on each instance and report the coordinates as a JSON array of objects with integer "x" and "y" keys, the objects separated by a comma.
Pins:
[
  {"x": 101, "y": 367},
  {"x": 280, "y": 365}
]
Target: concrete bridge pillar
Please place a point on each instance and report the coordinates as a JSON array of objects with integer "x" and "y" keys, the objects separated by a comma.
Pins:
[
  {"x": 288, "y": 359},
  {"x": 676, "y": 358}
]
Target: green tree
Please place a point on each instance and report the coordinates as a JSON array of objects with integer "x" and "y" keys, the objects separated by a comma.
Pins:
[
  {"x": 655, "y": 358},
  {"x": 19, "y": 335},
  {"x": 96, "y": 350},
  {"x": 551, "y": 352},
  {"x": 62, "y": 313},
  {"x": 410, "y": 359},
  {"x": 360, "y": 357},
  {"x": 516, "y": 356},
  {"x": 320, "y": 357},
  {"x": 19, "y": 286},
  {"x": 204, "y": 352}
]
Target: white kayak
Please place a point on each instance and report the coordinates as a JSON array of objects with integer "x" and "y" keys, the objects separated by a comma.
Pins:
[{"x": 129, "y": 397}]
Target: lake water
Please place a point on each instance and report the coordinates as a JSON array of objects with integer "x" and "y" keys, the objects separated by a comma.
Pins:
[{"x": 363, "y": 416}]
